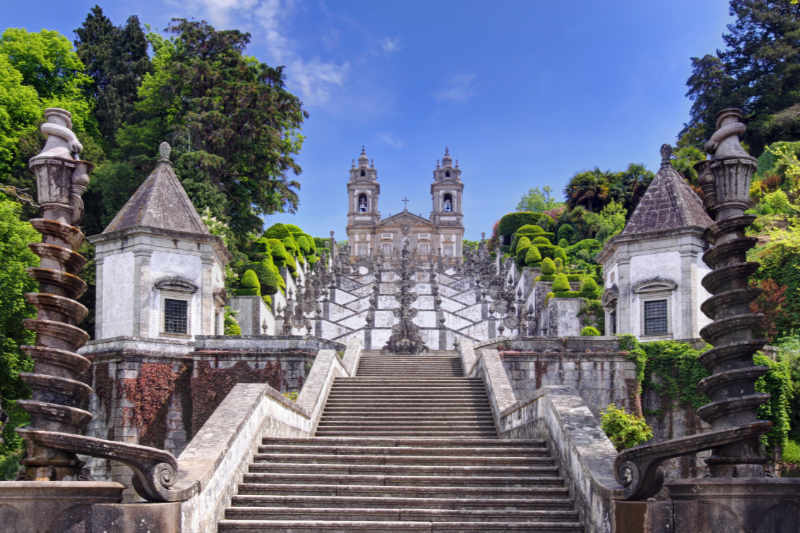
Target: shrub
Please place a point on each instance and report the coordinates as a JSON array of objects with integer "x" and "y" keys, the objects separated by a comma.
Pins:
[
  {"x": 511, "y": 222},
  {"x": 533, "y": 257},
  {"x": 522, "y": 243},
  {"x": 530, "y": 229},
  {"x": 281, "y": 257},
  {"x": 249, "y": 285},
  {"x": 778, "y": 383},
  {"x": 561, "y": 284},
  {"x": 231, "y": 325},
  {"x": 559, "y": 264},
  {"x": 566, "y": 232},
  {"x": 540, "y": 240},
  {"x": 548, "y": 266},
  {"x": 589, "y": 288},
  {"x": 590, "y": 331},
  {"x": 624, "y": 429},
  {"x": 791, "y": 452},
  {"x": 267, "y": 299},
  {"x": 563, "y": 243},
  {"x": 278, "y": 231}
]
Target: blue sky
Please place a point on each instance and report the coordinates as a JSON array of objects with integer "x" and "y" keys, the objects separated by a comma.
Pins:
[{"x": 525, "y": 93}]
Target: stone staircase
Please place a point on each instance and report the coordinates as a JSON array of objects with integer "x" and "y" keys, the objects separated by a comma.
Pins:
[{"x": 408, "y": 444}]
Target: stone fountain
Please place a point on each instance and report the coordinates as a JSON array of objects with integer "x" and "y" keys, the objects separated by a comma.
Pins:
[
  {"x": 59, "y": 401},
  {"x": 737, "y": 495}
]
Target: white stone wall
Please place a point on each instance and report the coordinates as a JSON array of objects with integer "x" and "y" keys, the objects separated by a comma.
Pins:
[{"x": 115, "y": 318}]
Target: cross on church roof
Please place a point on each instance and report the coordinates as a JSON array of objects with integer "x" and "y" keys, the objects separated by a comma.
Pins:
[{"x": 405, "y": 201}]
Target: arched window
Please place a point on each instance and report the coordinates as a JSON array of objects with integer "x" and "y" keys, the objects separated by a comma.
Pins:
[
  {"x": 447, "y": 203},
  {"x": 447, "y": 174},
  {"x": 363, "y": 173},
  {"x": 362, "y": 203}
]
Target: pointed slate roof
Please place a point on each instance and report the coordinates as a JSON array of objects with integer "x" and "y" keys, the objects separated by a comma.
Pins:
[
  {"x": 160, "y": 202},
  {"x": 669, "y": 203}
]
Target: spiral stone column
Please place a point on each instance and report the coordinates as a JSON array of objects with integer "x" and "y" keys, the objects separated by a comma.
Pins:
[
  {"x": 59, "y": 398},
  {"x": 735, "y": 332}
]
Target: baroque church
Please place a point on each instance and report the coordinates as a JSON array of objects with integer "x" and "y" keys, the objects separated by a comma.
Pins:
[{"x": 440, "y": 235}]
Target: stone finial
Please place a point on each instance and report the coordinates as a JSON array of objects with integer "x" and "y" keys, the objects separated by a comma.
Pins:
[
  {"x": 353, "y": 163},
  {"x": 446, "y": 150},
  {"x": 666, "y": 155},
  {"x": 164, "y": 151},
  {"x": 725, "y": 140},
  {"x": 363, "y": 150},
  {"x": 61, "y": 141}
]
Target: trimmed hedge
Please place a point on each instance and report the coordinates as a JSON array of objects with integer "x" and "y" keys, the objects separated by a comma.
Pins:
[
  {"x": 281, "y": 256},
  {"x": 548, "y": 266},
  {"x": 249, "y": 285},
  {"x": 589, "y": 288},
  {"x": 561, "y": 284},
  {"x": 541, "y": 240},
  {"x": 590, "y": 331},
  {"x": 511, "y": 222},
  {"x": 533, "y": 257}
]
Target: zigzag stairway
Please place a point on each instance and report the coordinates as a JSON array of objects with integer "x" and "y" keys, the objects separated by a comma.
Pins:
[{"x": 408, "y": 444}]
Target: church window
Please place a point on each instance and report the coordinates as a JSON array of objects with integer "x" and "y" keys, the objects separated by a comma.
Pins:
[
  {"x": 447, "y": 174},
  {"x": 176, "y": 316},
  {"x": 363, "y": 173},
  {"x": 448, "y": 203},
  {"x": 655, "y": 317},
  {"x": 612, "y": 319},
  {"x": 362, "y": 203}
]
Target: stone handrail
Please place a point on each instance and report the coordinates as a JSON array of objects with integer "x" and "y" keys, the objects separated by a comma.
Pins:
[
  {"x": 584, "y": 453},
  {"x": 219, "y": 454},
  {"x": 558, "y": 414}
]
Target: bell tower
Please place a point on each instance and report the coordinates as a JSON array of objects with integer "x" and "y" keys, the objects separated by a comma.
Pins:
[
  {"x": 363, "y": 191},
  {"x": 447, "y": 214}
]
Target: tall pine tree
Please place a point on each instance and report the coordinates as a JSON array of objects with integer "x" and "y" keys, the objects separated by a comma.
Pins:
[
  {"x": 116, "y": 59},
  {"x": 759, "y": 71}
]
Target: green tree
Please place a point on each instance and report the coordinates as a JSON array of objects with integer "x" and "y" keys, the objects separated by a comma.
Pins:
[
  {"x": 538, "y": 201},
  {"x": 759, "y": 70},
  {"x": 39, "y": 70},
  {"x": 15, "y": 258},
  {"x": 609, "y": 222},
  {"x": 116, "y": 59},
  {"x": 233, "y": 126}
]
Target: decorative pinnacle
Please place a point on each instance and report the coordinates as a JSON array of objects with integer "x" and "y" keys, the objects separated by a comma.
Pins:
[
  {"x": 666, "y": 155},
  {"x": 164, "y": 150},
  {"x": 446, "y": 151},
  {"x": 363, "y": 150}
]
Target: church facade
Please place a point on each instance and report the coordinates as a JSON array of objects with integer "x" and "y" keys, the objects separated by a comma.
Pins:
[{"x": 370, "y": 235}]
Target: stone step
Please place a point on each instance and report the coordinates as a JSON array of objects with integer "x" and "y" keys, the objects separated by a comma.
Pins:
[
  {"x": 416, "y": 402},
  {"x": 287, "y": 526},
  {"x": 369, "y": 380},
  {"x": 389, "y": 418},
  {"x": 434, "y": 426},
  {"x": 394, "y": 502},
  {"x": 348, "y": 432},
  {"x": 404, "y": 514},
  {"x": 490, "y": 443},
  {"x": 407, "y": 470},
  {"x": 408, "y": 386},
  {"x": 411, "y": 396},
  {"x": 405, "y": 491},
  {"x": 362, "y": 411},
  {"x": 373, "y": 459},
  {"x": 403, "y": 451},
  {"x": 403, "y": 424},
  {"x": 380, "y": 479}
]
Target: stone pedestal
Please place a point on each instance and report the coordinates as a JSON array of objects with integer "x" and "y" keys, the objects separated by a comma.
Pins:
[
  {"x": 745, "y": 505},
  {"x": 716, "y": 505},
  {"x": 79, "y": 507}
]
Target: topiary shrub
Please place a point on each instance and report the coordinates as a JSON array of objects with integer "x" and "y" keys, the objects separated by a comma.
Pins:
[
  {"x": 590, "y": 331},
  {"x": 278, "y": 231},
  {"x": 589, "y": 288},
  {"x": 530, "y": 229},
  {"x": 511, "y": 222},
  {"x": 540, "y": 240},
  {"x": 281, "y": 256},
  {"x": 522, "y": 246},
  {"x": 231, "y": 325},
  {"x": 624, "y": 429},
  {"x": 267, "y": 300},
  {"x": 559, "y": 264},
  {"x": 566, "y": 232},
  {"x": 249, "y": 285},
  {"x": 533, "y": 257},
  {"x": 561, "y": 284},
  {"x": 548, "y": 266}
]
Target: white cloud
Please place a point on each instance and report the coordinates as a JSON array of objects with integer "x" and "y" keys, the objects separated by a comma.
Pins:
[
  {"x": 391, "y": 140},
  {"x": 459, "y": 89},
  {"x": 314, "y": 79},
  {"x": 390, "y": 45}
]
